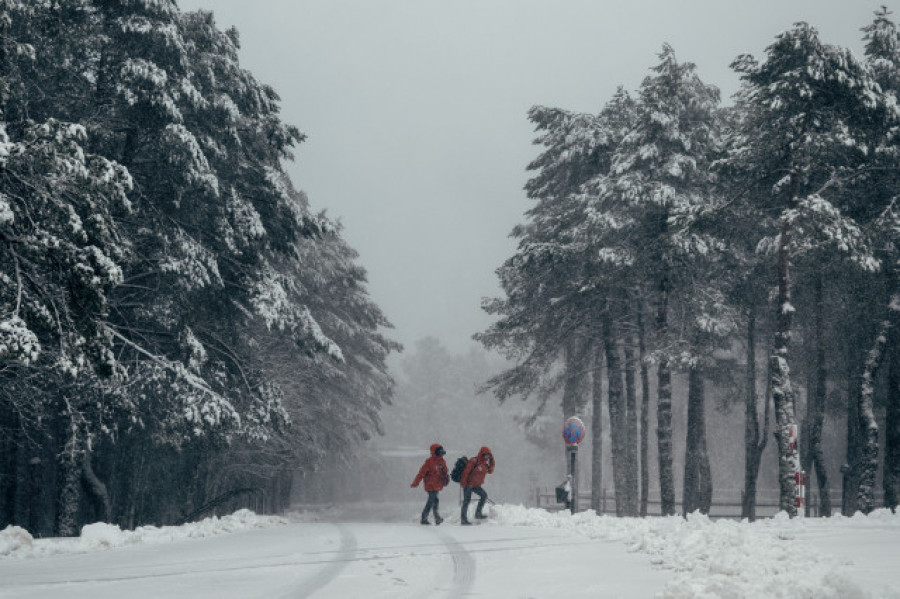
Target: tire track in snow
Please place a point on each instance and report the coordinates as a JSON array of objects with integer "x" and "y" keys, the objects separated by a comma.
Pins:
[
  {"x": 340, "y": 559},
  {"x": 463, "y": 566},
  {"x": 346, "y": 553}
]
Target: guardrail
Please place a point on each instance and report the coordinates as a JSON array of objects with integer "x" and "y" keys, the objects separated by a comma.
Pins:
[{"x": 725, "y": 504}]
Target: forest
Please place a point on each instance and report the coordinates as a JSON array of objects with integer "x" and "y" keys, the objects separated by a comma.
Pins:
[
  {"x": 750, "y": 247},
  {"x": 176, "y": 323}
]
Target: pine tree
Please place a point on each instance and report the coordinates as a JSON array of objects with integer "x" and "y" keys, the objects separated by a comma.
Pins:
[
  {"x": 803, "y": 137},
  {"x": 152, "y": 170},
  {"x": 880, "y": 211},
  {"x": 658, "y": 175},
  {"x": 557, "y": 276}
]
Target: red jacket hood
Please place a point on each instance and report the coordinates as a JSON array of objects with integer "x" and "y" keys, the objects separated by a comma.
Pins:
[{"x": 434, "y": 447}]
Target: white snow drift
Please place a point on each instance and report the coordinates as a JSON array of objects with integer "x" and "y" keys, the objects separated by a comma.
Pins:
[{"x": 849, "y": 558}]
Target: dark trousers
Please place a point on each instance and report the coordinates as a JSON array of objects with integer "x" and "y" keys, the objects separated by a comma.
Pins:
[
  {"x": 431, "y": 505},
  {"x": 467, "y": 497}
]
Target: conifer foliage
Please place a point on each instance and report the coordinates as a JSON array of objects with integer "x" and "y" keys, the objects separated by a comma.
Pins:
[
  {"x": 719, "y": 222},
  {"x": 168, "y": 301}
]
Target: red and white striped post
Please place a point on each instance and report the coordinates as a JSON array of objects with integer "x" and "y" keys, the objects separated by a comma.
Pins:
[
  {"x": 799, "y": 475},
  {"x": 800, "y": 493}
]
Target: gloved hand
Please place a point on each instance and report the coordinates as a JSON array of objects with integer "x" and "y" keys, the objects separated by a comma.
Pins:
[{"x": 413, "y": 486}]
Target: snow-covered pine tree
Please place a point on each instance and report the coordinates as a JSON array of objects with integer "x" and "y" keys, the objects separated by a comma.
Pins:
[
  {"x": 613, "y": 283},
  {"x": 879, "y": 212},
  {"x": 542, "y": 309},
  {"x": 176, "y": 201},
  {"x": 746, "y": 280},
  {"x": 804, "y": 136},
  {"x": 61, "y": 204},
  {"x": 659, "y": 172},
  {"x": 553, "y": 282},
  {"x": 349, "y": 387}
]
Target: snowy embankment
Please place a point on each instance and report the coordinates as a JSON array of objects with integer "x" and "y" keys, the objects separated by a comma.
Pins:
[
  {"x": 847, "y": 558},
  {"x": 17, "y": 542},
  {"x": 726, "y": 558}
]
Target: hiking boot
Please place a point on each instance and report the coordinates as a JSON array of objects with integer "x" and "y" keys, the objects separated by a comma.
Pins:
[
  {"x": 424, "y": 521},
  {"x": 437, "y": 520},
  {"x": 466, "y": 523},
  {"x": 480, "y": 516}
]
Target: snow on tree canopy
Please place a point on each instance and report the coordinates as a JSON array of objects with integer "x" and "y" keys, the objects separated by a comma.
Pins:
[
  {"x": 195, "y": 265},
  {"x": 185, "y": 152},
  {"x": 244, "y": 217},
  {"x": 142, "y": 81},
  {"x": 6, "y": 213},
  {"x": 17, "y": 342}
]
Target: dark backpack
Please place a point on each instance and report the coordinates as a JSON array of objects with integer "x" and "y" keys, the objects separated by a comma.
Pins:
[{"x": 458, "y": 467}]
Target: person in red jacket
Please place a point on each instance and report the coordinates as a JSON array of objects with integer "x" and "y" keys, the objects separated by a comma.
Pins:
[
  {"x": 472, "y": 479},
  {"x": 434, "y": 473}
]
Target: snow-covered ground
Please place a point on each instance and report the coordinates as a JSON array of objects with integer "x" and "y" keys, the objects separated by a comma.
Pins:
[{"x": 382, "y": 551}]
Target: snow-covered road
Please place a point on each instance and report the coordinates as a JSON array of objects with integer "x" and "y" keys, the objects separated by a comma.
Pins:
[
  {"x": 378, "y": 550},
  {"x": 345, "y": 560}
]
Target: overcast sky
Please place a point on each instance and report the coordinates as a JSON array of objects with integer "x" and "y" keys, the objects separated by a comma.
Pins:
[{"x": 415, "y": 112}]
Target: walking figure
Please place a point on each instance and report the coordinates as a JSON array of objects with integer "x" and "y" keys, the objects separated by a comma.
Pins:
[
  {"x": 472, "y": 479},
  {"x": 434, "y": 473}
]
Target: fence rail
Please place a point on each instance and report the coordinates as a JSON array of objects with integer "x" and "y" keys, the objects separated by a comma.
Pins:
[{"x": 725, "y": 504}]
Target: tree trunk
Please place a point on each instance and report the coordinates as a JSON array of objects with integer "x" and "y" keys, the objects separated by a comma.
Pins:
[
  {"x": 96, "y": 489},
  {"x": 868, "y": 468},
  {"x": 850, "y": 469},
  {"x": 631, "y": 434},
  {"x": 779, "y": 370},
  {"x": 817, "y": 455},
  {"x": 70, "y": 480},
  {"x": 576, "y": 386},
  {"x": 697, "y": 491},
  {"x": 287, "y": 481},
  {"x": 5, "y": 70},
  {"x": 7, "y": 466},
  {"x": 754, "y": 442},
  {"x": 46, "y": 482},
  {"x": 664, "y": 409},
  {"x": 576, "y": 389},
  {"x": 596, "y": 437},
  {"x": 806, "y": 425},
  {"x": 132, "y": 475},
  {"x": 616, "y": 402},
  {"x": 892, "y": 434},
  {"x": 645, "y": 411},
  {"x": 22, "y": 504}
]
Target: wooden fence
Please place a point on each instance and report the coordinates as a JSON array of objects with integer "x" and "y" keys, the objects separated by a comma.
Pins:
[{"x": 726, "y": 503}]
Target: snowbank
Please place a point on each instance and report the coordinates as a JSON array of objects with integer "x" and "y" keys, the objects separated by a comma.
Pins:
[
  {"x": 17, "y": 542},
  {"x": 723, "y": 558}
]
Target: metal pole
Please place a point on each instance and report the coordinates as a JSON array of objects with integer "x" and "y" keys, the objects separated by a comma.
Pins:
[{"x": 573, "y": 471}]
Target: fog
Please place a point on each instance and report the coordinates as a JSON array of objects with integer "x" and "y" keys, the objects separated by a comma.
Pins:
[
  {"x": 437, "y": 401},
  {"x": 415, "y": 113},
  {"x": 418, "y": 142}
]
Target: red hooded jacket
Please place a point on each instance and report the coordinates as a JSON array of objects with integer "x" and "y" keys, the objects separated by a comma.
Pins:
[
  {"x": 477, "y": 468},
  {"x": 433, "y": 472}
]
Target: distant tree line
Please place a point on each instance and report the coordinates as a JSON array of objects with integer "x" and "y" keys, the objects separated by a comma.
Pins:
[
  {"x": 669, "y": 234},
  {"x": 175, "y": 322}
]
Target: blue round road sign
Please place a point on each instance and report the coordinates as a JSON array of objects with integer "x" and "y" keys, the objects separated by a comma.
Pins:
[{"x": 573, "y": 431}]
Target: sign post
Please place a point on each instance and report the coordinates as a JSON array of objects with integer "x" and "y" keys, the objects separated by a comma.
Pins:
[{"x": 573, "y": 434}]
